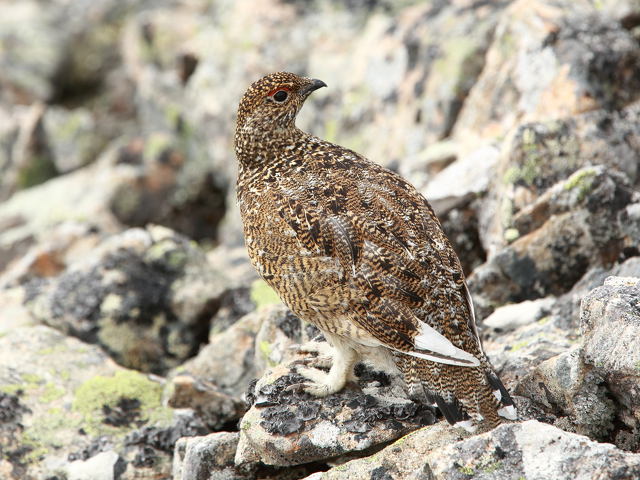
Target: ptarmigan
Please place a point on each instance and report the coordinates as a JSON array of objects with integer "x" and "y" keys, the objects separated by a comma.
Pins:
[{"x": 355, "y": 250}]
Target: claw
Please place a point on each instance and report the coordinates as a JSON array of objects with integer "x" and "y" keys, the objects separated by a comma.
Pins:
[{"x": 296, "y": 387}]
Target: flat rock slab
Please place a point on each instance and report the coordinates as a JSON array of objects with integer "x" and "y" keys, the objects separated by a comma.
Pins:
[
  {"x": 284, "y": 427},
  {"x": 529, "y": 450}
]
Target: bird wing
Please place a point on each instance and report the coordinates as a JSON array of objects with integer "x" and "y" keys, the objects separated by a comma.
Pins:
[{"x": 406, "y": 284}]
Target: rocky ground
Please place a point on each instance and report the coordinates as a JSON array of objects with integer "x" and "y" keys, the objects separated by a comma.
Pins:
[{"x": 135, "y": 339}]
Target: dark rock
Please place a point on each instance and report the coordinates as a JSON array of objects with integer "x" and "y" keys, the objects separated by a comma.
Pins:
[
  {"x": 146, "y": 296},
  {"x": 288, "y": 427},
  {"x": 166, "y": 191},
  {"x": 578, "y": 226}
]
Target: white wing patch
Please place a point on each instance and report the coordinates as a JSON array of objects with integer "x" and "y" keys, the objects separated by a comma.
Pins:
[{"x": 443, "y": 351}]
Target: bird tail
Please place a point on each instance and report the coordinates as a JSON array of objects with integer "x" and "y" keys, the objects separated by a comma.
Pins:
[{"x": 464, "y": 395}]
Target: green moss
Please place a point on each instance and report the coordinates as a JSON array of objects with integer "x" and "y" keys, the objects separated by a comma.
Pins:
[
  {"x": 51, "y": 350},
  {"x": 11, "y": 389},
  {"x": 98, "y": 391},
  {"x": 266, "y": 349},
  {"x": 262, "y": 294},
  {"x": 45, "y": 433},
  {"x": 39, "y": 169},
  {"x": 492, "y": 467},
  {"x": 467, "y": 470},
  {"x": 517, "y": 346},
  {"x": 52, "y": 392},
  {"x": 511, "y": 235},
  {"x": 32, "y": 378},
  {"x": 581, "y": 181},
  {"x": 544, "y": 320},
  {"x": 167, "y": 251}
]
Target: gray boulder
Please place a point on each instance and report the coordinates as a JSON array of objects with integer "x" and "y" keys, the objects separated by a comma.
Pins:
[
  {"x": 530, "y": 450},
  {"x": 146, "y": 296}
]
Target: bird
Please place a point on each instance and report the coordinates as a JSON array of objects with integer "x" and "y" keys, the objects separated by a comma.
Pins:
[{"x": 354, "y": 249}]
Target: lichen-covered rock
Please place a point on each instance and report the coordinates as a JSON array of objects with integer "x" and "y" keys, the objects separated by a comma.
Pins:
[
  {"x": 62, "y": 400},
  {"x": 210, "y": 457},
  {"x": 593, "y": 387},
  {"x": 564, "y": 385},
  {"x": 565, "y": 312},
  {"x": 610, "y": 325},
  {"x": 549, "y": 60},
  {"x": 73, "y": 137},
  {"x": 168, "y": 187},
  {"x": 28, "y": 217},
  {"x": 530, "y": 450},
  {"x": 539, "y": 156},
  {"x": 574, "y": 226},
  {"x": 146, "y": 296},
  {"x": 37, "y": 51},
  {"x": 515, "y": 353},
  {"x": 284, "y": 427},
  {"x": 227, "y": 362}
]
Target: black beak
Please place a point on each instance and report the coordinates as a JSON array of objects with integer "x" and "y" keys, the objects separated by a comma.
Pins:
[{"x": 313, "y": 86}]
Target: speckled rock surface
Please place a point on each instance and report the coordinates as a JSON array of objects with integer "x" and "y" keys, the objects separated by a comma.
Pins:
[
  {"x": 146, "y": 296},
  {"x": 209, "y": 457},
  {"x": 63, "y": 401},
  {"x": 530, "y": 450},
  {"x": 227, "y": 361},
  {"x": 549, "y": 60},
  {"x": 610, "y": 324},
  {"x": 588, "y": 208},
  {"x": 283, "y": 427}
]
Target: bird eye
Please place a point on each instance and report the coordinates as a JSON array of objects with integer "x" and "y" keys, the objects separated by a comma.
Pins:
[{"x": 280, "y": 96}]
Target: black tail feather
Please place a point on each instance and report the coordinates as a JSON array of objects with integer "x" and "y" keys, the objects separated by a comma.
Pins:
[{"x": 496, "y": 385}]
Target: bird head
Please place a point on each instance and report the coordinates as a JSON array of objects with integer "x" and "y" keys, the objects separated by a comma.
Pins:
[{"x": 272, "y": 103}]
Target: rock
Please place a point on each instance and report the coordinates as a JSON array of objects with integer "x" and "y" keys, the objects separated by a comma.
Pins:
[
  {"x": 63, "y": 245},
  {"x": 510, "y": 317},
  {"x": 280, "y": 332},
  {"x": 548, "y": 61},
  {"x": 593, "y": 386},
  {"x": 103, "y": 466},
  {"x": 62, "y": 400},
  {"x": 541, "y": 155},
  {"x": 402, "y": 459},
  {"x": 36, "y": 53},
  {"x": 530, "y": 450},
  {"x": 565, "y": 313},
  {"x": 168, "y": 187},
  {"x": 208, "y": 457},
  {"x": 227, "y": 361},
  {"x": 286, "y": 428},
  {"x": 28, "y": 158},
  {"x": 145, "y": 295},
  {"x": 575, "y": 226},
  {"x": 215, "y": 408},
  {"x": 515, "y": 353},
  {"x": 565, "y": 386},
  {"x": 73, "y": 137},
  {"x": 83, "y": 196},
  {"x": 610, "y": 324}
]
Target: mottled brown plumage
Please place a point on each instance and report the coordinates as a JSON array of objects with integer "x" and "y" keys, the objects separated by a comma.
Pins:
[{"x": 354, "y": 249}]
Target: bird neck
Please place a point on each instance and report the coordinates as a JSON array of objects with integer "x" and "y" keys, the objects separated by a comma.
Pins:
[{"x": 255, "y": 147}]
